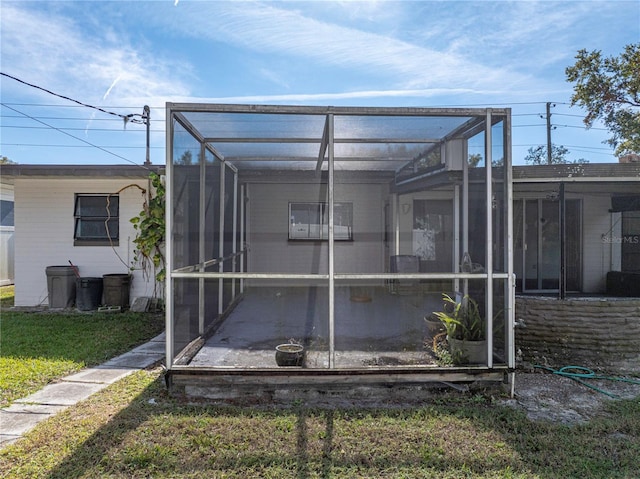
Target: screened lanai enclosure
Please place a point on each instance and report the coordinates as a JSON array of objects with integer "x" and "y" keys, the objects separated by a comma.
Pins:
[{"x": 338, "y": 229}]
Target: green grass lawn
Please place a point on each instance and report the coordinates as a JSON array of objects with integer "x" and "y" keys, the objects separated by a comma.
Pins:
[
  {"x": 37, "y": 348},
  {"x": 133, "y": 429},
  {"x": 7, "y": 294}
]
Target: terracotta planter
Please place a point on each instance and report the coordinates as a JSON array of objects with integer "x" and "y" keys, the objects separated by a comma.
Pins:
[{"x": 434, "y": 326}]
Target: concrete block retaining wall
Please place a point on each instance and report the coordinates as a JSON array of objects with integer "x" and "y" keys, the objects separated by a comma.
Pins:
[{"x": 591, "y": 332}]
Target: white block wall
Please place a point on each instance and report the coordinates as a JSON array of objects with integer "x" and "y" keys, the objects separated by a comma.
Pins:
[
  {"x": 44, "y": 225},
  {"x": 268, "y": 229}
]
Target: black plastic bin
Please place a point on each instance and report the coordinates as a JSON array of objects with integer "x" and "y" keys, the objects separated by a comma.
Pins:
[
  {"x": 88, "y": 293},
  {"x": 61, "y": 286},
  {"x": 116, "y": 289}
]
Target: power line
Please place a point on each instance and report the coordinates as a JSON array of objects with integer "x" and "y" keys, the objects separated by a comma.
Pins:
[
  {"x": 58, "y": 105},
  {"x": 580, "y": 127},
  {"x": 44, "y": 145},
  {"x": 567, "y": 114},
  {"x": 23, "y": 127},
  {"x": 72, "y": 136},
  {"x": 65, "y": 118},
  {"x": 132, "y": 117}
]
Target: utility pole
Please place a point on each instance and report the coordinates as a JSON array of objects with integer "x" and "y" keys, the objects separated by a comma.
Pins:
[
  {"x": 548, "y": 133},
  {"x": 146, "y": 117}
]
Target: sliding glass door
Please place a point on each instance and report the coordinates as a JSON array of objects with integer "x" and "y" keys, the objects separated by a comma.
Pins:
[{"x": 538, "y": 244}]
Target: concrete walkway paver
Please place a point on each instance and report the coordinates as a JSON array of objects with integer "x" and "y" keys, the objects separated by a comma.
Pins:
[{"x": 26, "y": 413}]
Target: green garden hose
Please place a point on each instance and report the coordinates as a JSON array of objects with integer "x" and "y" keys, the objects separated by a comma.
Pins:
[{"x": 578, "y": 373}]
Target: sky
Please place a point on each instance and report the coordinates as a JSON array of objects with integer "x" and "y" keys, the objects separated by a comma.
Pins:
[{"x": 118, "y": 56}]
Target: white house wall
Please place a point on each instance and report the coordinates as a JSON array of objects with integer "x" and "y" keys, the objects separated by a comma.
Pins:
[
  {"x": 44, "y": 234},
  {"x": 268, "y": 226}
]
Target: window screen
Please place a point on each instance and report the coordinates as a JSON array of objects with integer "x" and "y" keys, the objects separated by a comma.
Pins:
[
  {"x": 310, "y": 221},
  {"x": 96, "y": 220}
]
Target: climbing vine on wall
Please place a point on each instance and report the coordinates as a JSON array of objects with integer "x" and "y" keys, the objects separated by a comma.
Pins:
[{"x": 150, "y": 227}]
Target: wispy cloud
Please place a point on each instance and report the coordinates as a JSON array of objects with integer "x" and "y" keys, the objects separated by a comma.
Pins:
[
  {"x": 369, "y": 50},
  {"x": 49, "y": 49},
  {"x": 271, "y": 29}
]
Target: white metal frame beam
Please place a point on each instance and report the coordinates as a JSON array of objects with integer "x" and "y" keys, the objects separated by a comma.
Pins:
[{"x": 484, "y": 117}]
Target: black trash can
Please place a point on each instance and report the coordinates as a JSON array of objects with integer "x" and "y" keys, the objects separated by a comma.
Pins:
[
  {"x": 61, "y": 286},
  {"x": 88, "y": 293},
  {"x": 116, "y": 289}
]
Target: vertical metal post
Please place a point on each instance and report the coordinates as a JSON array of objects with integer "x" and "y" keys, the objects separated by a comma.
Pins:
[
  {"x": 332, "y": 339},
  {"x": 235, "y": 231},
  {"x": 242, "y": 233},
  {"x": 465, "y": 215},
  {"x": 221, "y": 239},
  {"x": 549, "y": 157},
  {"x": 395, "y": 202},
  {"x": 201, "y": 236},
  {"x": 563, "y": 243},
  {"x": 511, "y": 284},
  {"x": 146, "y": 116},
  {"x": 456, "y": 235},
  {"x": 169, "y": 329},
  {"x": 489, "y": 236}
]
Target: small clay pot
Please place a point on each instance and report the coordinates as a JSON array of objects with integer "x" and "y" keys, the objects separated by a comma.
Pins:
[{"x": 290, "y": 354}]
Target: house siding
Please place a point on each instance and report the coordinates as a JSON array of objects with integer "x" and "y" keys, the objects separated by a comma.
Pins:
[
  {"x": 268, "y": 226},
  {"x": 44, "y": 234}
]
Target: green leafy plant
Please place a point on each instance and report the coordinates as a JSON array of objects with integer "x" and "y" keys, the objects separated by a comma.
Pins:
[
  {"x": 440, "y": 349},
  {"x": 607, "y": 88},
  {"x": 462, "y": 320},
  {"x": 151, "y": 230}
]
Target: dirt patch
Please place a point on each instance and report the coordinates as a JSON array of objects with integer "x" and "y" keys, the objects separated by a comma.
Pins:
[{"x": 550, "y": 397}]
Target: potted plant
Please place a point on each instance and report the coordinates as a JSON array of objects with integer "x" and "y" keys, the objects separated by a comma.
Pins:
[
  {"x": 465, "y": 328},
  {"x": 434, "y": 325}
]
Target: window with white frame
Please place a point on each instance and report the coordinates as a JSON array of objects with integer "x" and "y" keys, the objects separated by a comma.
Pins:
[
  {"x": 96, "y": 220},
  {"x": 310, "y": 221}
]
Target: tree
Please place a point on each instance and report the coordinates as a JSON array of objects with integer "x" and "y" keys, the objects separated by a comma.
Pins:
[
  {"x": 6, "y": 161},
  {"x": 538, "y": 156},
  {"x": 609, "y": 89},
  {"x": 185, "y": 159},
  {"x": 475, "y": 159}
]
